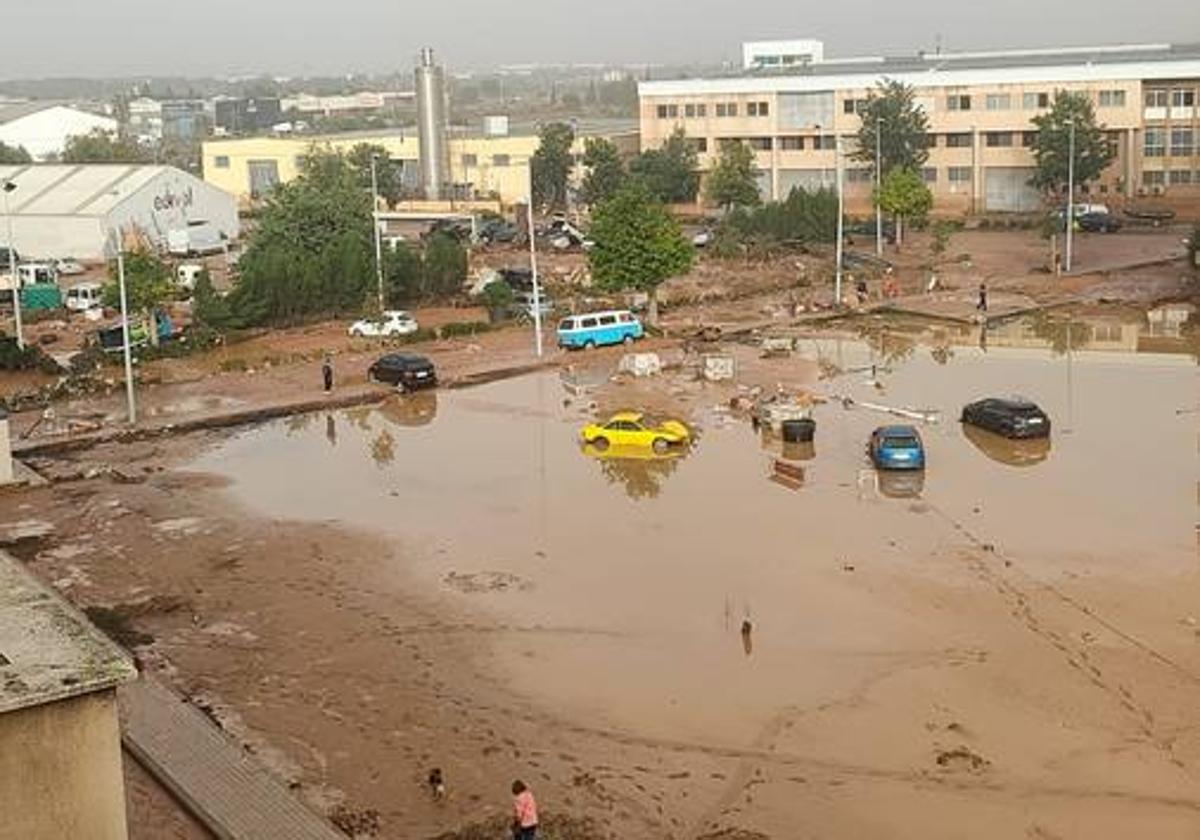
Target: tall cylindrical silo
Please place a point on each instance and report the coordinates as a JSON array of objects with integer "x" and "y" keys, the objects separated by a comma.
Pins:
[{"x": 431, "y": 125}]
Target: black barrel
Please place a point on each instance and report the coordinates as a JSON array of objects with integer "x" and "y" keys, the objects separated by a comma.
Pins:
[{"x": 798, "y": 431}]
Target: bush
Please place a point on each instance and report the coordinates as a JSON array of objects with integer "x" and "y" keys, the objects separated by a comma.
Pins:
[
  {"x": 464, "y": 328},
  {"x": 31, "y": 357},
  {"x": 803, "y": 217}
]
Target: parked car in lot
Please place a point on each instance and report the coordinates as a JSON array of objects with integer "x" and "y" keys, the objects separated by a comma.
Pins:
[
  {"x": 407, "y": 371},
  {"x": 896, "y": 448},
  {"x": 596, "y": 329},
  {"x": 632, "y": 428},
  {"x": 1011, "y": 417},
  {"x": 68, "y": 267},
  {"x": 84, "y": 296},
  {"x": 1098, "y": 223},
  {"x": 393, "y": 322}
]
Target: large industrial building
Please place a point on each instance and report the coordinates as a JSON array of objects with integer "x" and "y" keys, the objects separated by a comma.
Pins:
[
  {"x": 64, "y": 210},
  {"x": 43, "y": 128},
  {"x": 793, "y": 104}
]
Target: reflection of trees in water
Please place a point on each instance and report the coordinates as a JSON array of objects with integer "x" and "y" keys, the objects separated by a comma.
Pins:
[
  {"x": 1060, "y": 332},
  {"x": 941, "y": 353},
  {"x": 884, "y": 340},
  {"x": 419, "y": 409},
  {"x": 383, "y": 448},
  {"x": 359, "y": 417},
  {"x": 1189, "y": 330},
  {"x": 642, "y": 478},
  {"x": 297, "y": 423}
]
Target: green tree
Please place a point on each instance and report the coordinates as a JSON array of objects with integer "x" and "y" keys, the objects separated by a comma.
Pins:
[
  {"x": 387, "y": 171},
  {"x": 403, "y": 275},
  {"x": 10, "y": 155},
  {"x": 552, "y": 166},
  {"x": 638, "y": 244},
  {"x": 733, "y": 181},
  {"x": 803, "y": 217},
  {"x": 891, "y": 112},
  {"x": 209, "y": 308},
  {"x": 905, "y": 196},
  {"x": 147, "y": 287},
  {"x": 102, "y": 147},
  {"x": 445, "y": 265},
  {"x": 605, "y": 170},
  {"x": 670, "y": 173},
  {"x": 1051, "y": 149}
]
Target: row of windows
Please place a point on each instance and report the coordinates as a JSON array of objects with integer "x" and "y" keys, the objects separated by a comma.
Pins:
[
  {"x": 1178, "y": 98},
  {"x": 1175, "y": 177},
  {"x": 1183, "y": 142},
  {"x": 929, "y": 174},
  {"x": 699, "y": 110},
  {"x": 827, "y": 142}
]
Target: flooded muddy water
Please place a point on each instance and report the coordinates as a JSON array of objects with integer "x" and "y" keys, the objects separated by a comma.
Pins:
[{"x": 639, "y": 578}]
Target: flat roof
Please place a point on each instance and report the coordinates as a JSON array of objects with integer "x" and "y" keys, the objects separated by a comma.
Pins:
[
  {"x": 603, "y": 127},
  {"x": 1068, "y": 64},
  {"x": 63, "y": 189},
  {"x": 48, "y": 650}
]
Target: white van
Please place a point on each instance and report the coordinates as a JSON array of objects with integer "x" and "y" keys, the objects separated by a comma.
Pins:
[
  {"x": 39, "y": 273},
  {"x": 84, "y": 296},
  {"x": 187, "y": 274}
]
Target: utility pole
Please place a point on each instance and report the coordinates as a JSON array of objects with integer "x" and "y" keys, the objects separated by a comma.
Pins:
[
  {"x": 129, "y": 399},
  {"x": 837, "y": 162},
  {"x": 375, "y": 224},
  {"x": 9, "y": 186},
  {"x": 878, "y": 189},
  {"x": 533, "y": 267},
  {"x": 1070, "y": 195}
]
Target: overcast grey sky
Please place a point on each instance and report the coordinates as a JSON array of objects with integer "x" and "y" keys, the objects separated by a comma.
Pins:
[{"x": 300, "y": 37}]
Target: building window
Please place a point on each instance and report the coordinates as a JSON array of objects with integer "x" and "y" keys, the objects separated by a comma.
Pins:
[
  {"x": 470, "y": 161},
  {"x": 759, "y": 144},
  {"x": 958, "y": 102},
  {"x": 668, "y": 112},
  {"x": 264, "y": 176},
  {"x": 1153, "y": 179},
  {"x": 859, "y": 175},
  {"x": 791, "y": 144},
  {"x": 959, "y": 174},
  {"x": 221, "y": 161},
  {"x": 1180, "y": 176},
  {"x": 1156, "y": 99},
  {"x": 501, "y": 160},
  {"x": 1029, "y": 139},
  {"x": 1112, "y": 99},
  {"x": 930, "y": 141},
  {"x": 958, "y": 141},
  {"x": 1182, "y": 142},
  {"x": 929, "y": 174},
  {"x": 998, "y": 139},
  {"x": 825, "y": 143},
  {"x": 1183, "y": 98},
  {"x": 757, "y": 109},
  {"x": 998, "y": 102},
  {"x": 1034, "y": 101},
  {"x": 698, "y": 144},
  {"x": 1155, "y": 143},
  {"x": 854, "y": 106},
  {"x": 727, "y": 109},
  {"x": 694, "y": 111}
]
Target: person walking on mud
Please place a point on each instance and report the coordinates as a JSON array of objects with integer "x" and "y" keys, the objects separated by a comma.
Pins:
[
  {"x": 982, "y": 305},
  {"x": 327, "y": 372},
  {"x": 525, "y": 816}
]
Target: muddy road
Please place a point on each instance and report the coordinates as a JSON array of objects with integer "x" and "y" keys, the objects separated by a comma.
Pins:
[{"x": 1008, "y": 646}]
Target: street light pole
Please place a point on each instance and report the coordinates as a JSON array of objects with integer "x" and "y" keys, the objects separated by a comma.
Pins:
[
  {"x": 129, "y": 399},
  {"x": 878, "y": 189},
  {"x": 533, "y": 267},
  {"x": 837, "y": 163},
  {"x": 1070, "y": 194},
  {"x": 375, "y": 224},
  {"x": 9, "y": 186}
]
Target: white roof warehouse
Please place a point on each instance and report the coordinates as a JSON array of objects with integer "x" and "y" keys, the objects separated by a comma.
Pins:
[{"x": 64, "y": 210}]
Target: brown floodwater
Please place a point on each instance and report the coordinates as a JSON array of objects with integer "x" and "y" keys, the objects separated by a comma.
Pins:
[{"x": 644, "y": 575}]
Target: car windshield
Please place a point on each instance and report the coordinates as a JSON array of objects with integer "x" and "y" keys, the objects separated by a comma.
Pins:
[
  {"x": 566, "y": 324},
  {"x": 905, "y": 442}
]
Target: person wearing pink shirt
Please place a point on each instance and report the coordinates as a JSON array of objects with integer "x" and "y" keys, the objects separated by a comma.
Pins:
[{"x": 525, "y": 816}]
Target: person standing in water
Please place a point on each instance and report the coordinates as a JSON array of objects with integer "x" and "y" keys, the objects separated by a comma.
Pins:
[{"x": 525, "y": 815}]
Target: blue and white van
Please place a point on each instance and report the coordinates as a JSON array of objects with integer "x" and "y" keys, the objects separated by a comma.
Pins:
[{"x": 596, "y": 329}]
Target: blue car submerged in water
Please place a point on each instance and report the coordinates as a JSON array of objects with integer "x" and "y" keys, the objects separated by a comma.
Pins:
[{"x": 897, "y": 448}]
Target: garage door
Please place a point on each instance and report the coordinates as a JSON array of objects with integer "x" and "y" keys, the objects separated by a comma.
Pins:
[{"x": 1008, "y": 190}]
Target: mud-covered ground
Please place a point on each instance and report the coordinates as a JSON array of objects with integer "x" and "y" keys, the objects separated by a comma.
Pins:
[{"x": 1006, "y": 647}]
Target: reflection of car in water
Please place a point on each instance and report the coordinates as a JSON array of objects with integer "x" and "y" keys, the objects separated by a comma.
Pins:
[
  {"x": 412, "y": 409},
  {"x": 640, "y": 470},
  {"x": 1012, "y": 417},
  {"x": 900, "y": 484},
  {"x": 1013, "y": 452},
  {"x": 896, "y": 448},
  {"x": 632, "y": 428}
]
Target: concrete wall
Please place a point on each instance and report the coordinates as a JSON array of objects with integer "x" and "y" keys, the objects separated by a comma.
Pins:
[{"x": 60, "y": 771}]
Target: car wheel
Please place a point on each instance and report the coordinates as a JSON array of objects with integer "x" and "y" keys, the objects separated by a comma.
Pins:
[
  {"x": 589, "y": 345},
  {"x": 628, "y": 339},
  {"x": 600, "y": 443},
  {"x": 371, "y": 377},
  {"x": 661, "y": 445},
  {"x": 356, "y": 333}
]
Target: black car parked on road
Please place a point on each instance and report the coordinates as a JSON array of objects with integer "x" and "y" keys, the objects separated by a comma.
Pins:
[
  {"x": 1012, "y": 417},
  {"x": 1099, "y": 223},
  {"x": 407, "y": 371}
]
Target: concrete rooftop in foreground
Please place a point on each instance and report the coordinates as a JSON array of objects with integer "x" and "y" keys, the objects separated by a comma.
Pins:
[{"x": 48, "y": 650}]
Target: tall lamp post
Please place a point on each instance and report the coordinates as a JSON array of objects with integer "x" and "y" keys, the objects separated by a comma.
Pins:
[
  {"x": 878, "y": 188},
  {"x": 378, "y": 235},
  {"x": 117, "y": 245},
  {"x": 837, "y": 163},
  {"x": 9, "y": 186},
  {"x": 1070, "y": 195},
  {"x": 533, "y": 267}
]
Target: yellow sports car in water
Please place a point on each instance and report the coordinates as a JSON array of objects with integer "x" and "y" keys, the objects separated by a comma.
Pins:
[{"x": 633, "y": 429}]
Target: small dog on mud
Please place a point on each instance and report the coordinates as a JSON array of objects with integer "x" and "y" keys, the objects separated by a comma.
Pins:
[{"x": 437, "y": 785}]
